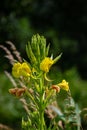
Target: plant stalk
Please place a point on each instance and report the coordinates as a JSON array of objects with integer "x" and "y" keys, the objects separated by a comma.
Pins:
[{"x": 41, "y": 108}]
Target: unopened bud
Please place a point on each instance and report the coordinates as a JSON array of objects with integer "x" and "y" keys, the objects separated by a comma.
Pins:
[{"x": 56, "y": 87}]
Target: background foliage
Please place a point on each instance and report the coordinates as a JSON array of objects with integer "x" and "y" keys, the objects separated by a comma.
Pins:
[{"x": 64, "y": 24}]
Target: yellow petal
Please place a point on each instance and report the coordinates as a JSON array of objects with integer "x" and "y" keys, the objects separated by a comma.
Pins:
[
  {"x": 64, "y": 85},
  {"x": 25, "y": 70},
  {"x": 21, "y": 70},
  {"x": 46, "y": 64},
  {"x": 15, "y": 70}
]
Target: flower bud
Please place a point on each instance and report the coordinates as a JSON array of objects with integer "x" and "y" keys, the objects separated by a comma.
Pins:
[{"x": 56, "y": 87}]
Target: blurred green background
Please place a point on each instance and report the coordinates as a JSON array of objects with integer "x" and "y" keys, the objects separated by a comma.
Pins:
[{"x": 64, "y": 24}]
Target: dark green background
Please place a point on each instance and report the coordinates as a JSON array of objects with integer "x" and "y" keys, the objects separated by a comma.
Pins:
[{"x": 64, "y": 24}]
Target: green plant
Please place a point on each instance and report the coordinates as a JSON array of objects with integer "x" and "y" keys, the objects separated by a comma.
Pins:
[{"x": 37, "y": 92}]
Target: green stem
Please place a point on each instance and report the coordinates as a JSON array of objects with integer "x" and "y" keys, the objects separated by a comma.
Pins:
[
  {"x": 41, "y": 120},
  {"x": 32, "y": 98},
  {"x": 41, "y": 108}
]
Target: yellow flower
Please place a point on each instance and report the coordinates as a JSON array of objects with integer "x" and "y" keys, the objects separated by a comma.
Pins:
[
  {"x": 15, "y": 70},
  {"x": 21, "y": 70},
  {"x": 64, "y": 85},
  {"x": 46, "y": 64},
  {"x": 25, "y": 70}
]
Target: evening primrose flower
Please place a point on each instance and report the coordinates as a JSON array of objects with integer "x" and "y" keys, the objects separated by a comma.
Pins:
[
  {"x": 64, "y": 85},
  {"x": 21, "y": 70},
  {"x": 25, "y": 70},
  {"x": 46, "y": 64},
  {"x": 15, "y": 70}
]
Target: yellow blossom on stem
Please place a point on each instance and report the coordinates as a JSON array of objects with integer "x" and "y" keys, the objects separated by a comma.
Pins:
[
  {"x": 64, "y": 85},
  {"x": 46, "y": 64},
  {"x": 21, "y": 70},
  {"x": 15, "y": 70},
  {"x": 25, "y": 70}
]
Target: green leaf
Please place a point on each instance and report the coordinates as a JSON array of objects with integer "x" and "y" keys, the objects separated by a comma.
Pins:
[
  {"x": 30, "y": 54},
  {"x": 57, "y": 58},
  {"x": 47, "y": 50},
  {"x": 42, "y": 47},
  {"x": 35, "y": 46}
]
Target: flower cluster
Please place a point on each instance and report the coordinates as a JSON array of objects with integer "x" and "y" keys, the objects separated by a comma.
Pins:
[
  {"x": 24, "y": 70},
  {"x": 37, "y": 92},
  {"x": 43, "y": 90}
]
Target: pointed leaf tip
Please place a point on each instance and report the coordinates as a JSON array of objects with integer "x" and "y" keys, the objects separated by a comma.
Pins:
[{"x": 57, "y": 58}]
